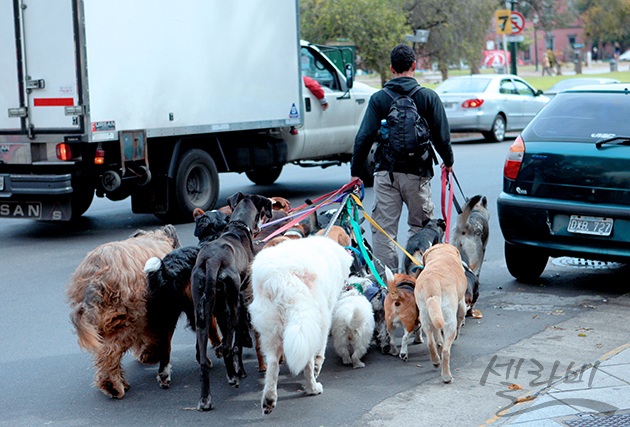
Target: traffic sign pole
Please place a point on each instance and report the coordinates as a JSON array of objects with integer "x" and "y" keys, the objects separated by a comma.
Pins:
[{"x": 513, "y": 44}]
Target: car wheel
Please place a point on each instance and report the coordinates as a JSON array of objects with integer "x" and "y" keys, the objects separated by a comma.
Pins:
[
  {"x": 196, "y": 184},
  {"x": 497, "y": 133},
  {"x": 265, "y": 176},
  {"x": 524, "y": 263}
]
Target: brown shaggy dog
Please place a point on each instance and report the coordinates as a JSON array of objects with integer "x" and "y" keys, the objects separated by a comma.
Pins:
[{"x": 108, "y": 294}]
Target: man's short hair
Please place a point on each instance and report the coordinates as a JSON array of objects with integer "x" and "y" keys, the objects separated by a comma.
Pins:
[{"x": 402, "y": 58}]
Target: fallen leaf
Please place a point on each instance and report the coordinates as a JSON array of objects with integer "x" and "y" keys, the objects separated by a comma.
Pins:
[
  {"x": 536, "y": 317},
  {"x": 515, "y": 387},
  {"x": 477, "y": 314},
  {"x": 556, "y": 327},
  {"x": 584, "y": 329},
  {"x": 524, "y": 399},
  {"x": 419, "y": 366},
  {"x": 190, "y": 409},
  {"x": 581, "y": 335}
]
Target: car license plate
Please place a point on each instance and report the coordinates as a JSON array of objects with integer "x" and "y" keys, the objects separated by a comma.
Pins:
[
  {"x": 1, "y": 183},
  {"x": 590, "y": 225}
]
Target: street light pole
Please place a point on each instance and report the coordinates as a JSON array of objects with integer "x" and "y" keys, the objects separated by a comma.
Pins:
[
  {"x": 535, "y": 22},
  {"x": 513, "y": 45}
]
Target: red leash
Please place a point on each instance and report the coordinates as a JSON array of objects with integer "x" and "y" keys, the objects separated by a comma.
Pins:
[{"x": 447, "y": 180}]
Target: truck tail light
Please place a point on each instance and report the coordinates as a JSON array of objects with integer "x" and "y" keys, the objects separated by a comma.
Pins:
[
  {"x": 514, "y": 159},
  {"x": 99, "y": 157},
  {"x": 472, "y": 103},
  {"x": 64, "y": 152}
]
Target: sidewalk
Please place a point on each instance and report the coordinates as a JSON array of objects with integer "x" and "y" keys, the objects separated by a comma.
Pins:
[
  {"x": 597, "y": 396},
  {"x": 565, "y": 373}
]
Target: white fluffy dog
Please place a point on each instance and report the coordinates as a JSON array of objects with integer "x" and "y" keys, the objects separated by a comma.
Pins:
[
  {"x": 352, "y": 324},
  {"x": 295, "y": 287}
]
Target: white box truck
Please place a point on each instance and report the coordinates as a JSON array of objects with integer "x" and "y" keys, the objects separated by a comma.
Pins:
[{"x": 153, "y": 99}]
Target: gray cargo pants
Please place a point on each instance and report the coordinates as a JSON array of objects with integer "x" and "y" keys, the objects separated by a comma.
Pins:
[{"x": 413, "y": 191}]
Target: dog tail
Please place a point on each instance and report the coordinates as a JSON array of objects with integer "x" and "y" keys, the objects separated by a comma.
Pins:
[
  {"x": 87, "y": 334},
  {"x": 391, "y": 284},
  {"x": 152, "y": 265},
  {"x": 303, "y": 338},
  {"x": 434, "y": 307}
]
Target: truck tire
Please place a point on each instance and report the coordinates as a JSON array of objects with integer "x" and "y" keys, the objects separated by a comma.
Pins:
[
  {"x": 264, "y": 176},
  {"x": 497, "y": 133},
  {"x": 525, "y": 264},
  {"x": 196, "y": 185}
]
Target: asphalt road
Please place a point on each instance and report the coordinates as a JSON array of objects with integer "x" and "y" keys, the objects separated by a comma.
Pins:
[{"x": 47, "y": 379}]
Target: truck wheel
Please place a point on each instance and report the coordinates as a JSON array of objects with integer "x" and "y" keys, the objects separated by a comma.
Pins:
[
  {"x": 196, "y": 184},
  {"x": 367, "y": 174},
  {"x": 497, "y": 133},
  {"x": 525, "y": 264},
  {"x": 264, "y": 176}
]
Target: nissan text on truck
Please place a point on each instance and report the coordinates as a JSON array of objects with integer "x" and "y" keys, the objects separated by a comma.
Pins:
[{"x": 153, "y": 99}]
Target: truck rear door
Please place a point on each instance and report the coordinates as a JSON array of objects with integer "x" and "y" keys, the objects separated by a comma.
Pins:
[{"x": 39, "y": 67}]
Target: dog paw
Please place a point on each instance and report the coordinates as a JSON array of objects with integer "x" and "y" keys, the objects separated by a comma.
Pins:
[
  {"x": 113, "y": 391},
  {"x": 437, "y": 364},
  {"x": 358, "y": 364},
  {"x": 318, "y": 388},
  {"x": 205, "y": 404},
  {"x": 346, "y": 360},
  {"x": 164, "y": 381},
  {"x": 404, "y": 356},
  {"x": 447, "y": 379},
  {"x": 268, "y": 405},
  {"x": 262, "y": 368}
]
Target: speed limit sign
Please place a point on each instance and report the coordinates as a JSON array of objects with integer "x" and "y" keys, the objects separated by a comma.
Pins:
[{"x": 518, "y": 22}]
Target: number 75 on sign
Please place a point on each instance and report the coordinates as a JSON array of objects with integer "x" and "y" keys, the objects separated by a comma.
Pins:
[{"x": 504, "y": 21}]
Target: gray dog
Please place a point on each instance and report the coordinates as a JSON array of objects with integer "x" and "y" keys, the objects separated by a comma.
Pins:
[{"x": 470, "y": 236}]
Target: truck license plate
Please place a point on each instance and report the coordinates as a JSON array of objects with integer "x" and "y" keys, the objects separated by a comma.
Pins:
[
  {"x": 26, "y": 210},
  {"x": 590, "y": 225}
]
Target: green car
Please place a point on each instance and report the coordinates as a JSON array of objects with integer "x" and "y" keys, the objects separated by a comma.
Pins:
[{"x": 566, "y": 184}]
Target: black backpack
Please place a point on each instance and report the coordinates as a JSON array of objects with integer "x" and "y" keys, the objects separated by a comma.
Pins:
[{"x": 409, "y": 138}]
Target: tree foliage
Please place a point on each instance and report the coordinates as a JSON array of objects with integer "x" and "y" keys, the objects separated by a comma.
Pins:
[
  {"x": 606, "y": 21},
  {"x": 375, "y": 27}
]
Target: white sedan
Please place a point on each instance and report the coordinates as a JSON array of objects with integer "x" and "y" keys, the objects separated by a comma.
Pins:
[{"x": 489, "y": 103}]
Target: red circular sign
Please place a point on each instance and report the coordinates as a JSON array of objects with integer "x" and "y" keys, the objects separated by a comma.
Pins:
[{"x": 518, "y": 22}]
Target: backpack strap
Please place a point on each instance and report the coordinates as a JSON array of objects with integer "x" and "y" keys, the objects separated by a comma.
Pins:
[
  {"x": 393, "y": 95},
  {"x": 390, "y": 93}
]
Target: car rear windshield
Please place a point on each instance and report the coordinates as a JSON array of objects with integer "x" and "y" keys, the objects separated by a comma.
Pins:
[
  {"x": 581, "y": 116},
  {"x": 463, "y": 86}
]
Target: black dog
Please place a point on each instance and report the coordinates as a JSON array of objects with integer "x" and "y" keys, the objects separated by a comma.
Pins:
[
  {"x": 169, "y": 290},
  {"x": 222, "y": 268},
  {"x": 472, "y": 290},
  {"x": 432, "y": 233}
]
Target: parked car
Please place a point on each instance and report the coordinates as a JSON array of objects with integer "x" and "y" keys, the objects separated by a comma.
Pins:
[
  {"x": 625, "y": 56},
  {"x": 566, "y": 185},
  {"x": 576, "y": 82},
  {"x": 489, "y": 103}
]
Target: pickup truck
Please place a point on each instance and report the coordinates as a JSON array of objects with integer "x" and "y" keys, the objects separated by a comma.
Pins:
[{"x": 154, "y": 99}]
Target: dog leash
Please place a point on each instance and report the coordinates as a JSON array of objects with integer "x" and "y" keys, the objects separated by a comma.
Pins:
[
  {"x": 446, "y": 181},
  {"x": 378, "y": 227},
  {"x": 327, "y": 199}
]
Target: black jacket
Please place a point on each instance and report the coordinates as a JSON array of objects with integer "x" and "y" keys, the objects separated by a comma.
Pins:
[{"x": 429, "y": 106}]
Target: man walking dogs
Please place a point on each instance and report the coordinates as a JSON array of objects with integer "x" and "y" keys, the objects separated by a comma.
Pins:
[{"x": 400, "y": 178}]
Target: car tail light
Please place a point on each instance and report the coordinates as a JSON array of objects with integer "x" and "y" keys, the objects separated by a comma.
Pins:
[
  {"x": 514, "y": 159},
  {"x": 472, "y": 103},
  {"x": 64, "y": 152}
]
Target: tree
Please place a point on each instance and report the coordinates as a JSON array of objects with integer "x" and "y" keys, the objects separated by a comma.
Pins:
[
  {"x": 457, "y": 30},
  {"x": 375, "y": 27},
  {"x": 606, "y": 21}
]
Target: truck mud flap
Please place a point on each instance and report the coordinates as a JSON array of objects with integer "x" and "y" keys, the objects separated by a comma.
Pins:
[{"x": 45, "y": 210}]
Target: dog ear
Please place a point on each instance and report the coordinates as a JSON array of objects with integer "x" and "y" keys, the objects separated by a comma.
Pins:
[
  {"x": 484, "y": 202},
  {"x": 197, "y": 212},
  {"x": 234, "y": 199},
  {"x": 267, "y": 208},
  {"x": 441, "y": 223}
]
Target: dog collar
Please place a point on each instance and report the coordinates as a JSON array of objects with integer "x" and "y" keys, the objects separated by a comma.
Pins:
[
  {"x": 357, "y": 286},
  {"x": 241, "y": 224},
  {"x": 294, "y": 232}
]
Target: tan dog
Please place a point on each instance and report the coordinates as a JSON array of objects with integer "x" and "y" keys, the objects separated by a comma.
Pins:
[
  {"x": 401, "y": 310},
  {"x": 336, "y": 233},
  {"x": 440, "y": 292}
]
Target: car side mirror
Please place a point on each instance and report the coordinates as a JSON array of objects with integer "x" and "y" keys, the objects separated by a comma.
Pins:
[
  {"x": 539, "y": 92},
  {"x": 349, "y": 75}
]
